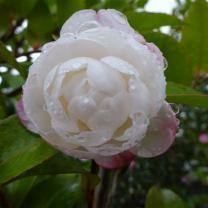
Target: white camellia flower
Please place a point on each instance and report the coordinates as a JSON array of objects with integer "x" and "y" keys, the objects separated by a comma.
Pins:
[{"x": 98, "y": 92}]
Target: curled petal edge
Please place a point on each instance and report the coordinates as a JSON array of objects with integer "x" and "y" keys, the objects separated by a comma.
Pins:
[
  {"x": 160, "y": 134},
  {"x": 23, "y": 117}
]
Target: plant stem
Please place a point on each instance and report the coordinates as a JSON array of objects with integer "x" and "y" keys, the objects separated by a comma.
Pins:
[{"x": 105, "y": 190}]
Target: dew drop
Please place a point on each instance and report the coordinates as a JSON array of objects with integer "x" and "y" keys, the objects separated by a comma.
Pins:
[
  {"x": 165, "y": 63},
  {"x": 175, "y": 108},
  {"x": 132, "y": 87},
  {"x": 45, "y": 107},
  {"x": 86, "y": 100},
  {"x": 81, "y": 139},
  {"x": 76, "y": 65}
]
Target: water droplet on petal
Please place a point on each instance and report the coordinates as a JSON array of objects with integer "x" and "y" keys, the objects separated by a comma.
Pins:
[
  {"x": 165, "y": 62},
  {"x": 76, "y": 65},
  {"x": 132, "y": 87},
  {"x": 45, "y": 107},
  {"x": 175, "y": 107}
]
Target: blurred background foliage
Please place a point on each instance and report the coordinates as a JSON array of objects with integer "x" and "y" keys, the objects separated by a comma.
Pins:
[{"x": 34, "y": 175}]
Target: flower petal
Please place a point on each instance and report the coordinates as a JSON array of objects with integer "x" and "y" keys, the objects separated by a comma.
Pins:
[
  {"x": 77, "y": 21},
  {"x": 154, "y": 49},
  {"x": 116, "y": 161},
  {"x": 115, "y": 19},
  {"x": 23, "y": 117},
  {"x": 124, "y": 46},
  {"x": 160, "y": 134}
]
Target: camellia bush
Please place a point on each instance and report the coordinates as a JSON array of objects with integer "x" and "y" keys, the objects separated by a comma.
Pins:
[{"x": 103, "y": 104}]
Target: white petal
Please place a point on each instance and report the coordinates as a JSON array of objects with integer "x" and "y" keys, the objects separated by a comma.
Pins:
[
  {"x": 82, "y": 107},
  {"x": 131, "y": 137},
  {"x": 104, "y": 78},
  {"x": 139, "y": 96},
  {"x": 125, "y": 47},
  {"x": 112, "y": 113},
  {"x": 140, "y": 99},
  {"x": 62, "y": 51},
  {"x": 90, "y": 138},
  {"x": 78, "y": 20},
  {"x": 34, "y": 104},
  {"x": 74, "y": 84},
  {"x": 115, "y": 19},
  {"x": 120, "y": 65},
  {"x": 59, "y": 119}
]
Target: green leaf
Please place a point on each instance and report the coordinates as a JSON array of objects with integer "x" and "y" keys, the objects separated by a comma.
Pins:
[
  {"x": 115, "y": 4},
  {"x": 163, "y": 198},
  {"x": 11, "y": 81},
  {"x": 22, "y": 7},
  {"x": 147, "y": 21},
  {"x": 66, "y": 189},
  {"x": 172, "y": 200},
  {"x": 18, "y": 190},
  {"x": 177, "y": 93},
  {"x": 5, "y": 21},
  {"x": 67, "y": 8},
  {"x": 141, "y": 3},
  {"x": 20, "y": 149},
  {"x": 7, "y": 56},
  {"x": 58, "y": 191},
  {"x": 59, "y": 164},
  {"x": 177, "y": 71},
  {"x": 91, "y": 3},
  {"x": 154, "y": 198},
  {"x": 195, "y": 35},
  {"x": 52, "y": 6},
  {"x": 41, "y": 24}
]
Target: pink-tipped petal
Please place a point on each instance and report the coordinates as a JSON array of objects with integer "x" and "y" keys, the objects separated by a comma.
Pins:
[
  {"x": 78, "y": 20},
  {"x": 203, "y": 138},
  {"x": 153, "y": 48},
  {"x": 117, "y": 20},
  {"x": 116, "y": 161},
  {"x": 160, "y": 134},
  {"x": 21, "y": 114}
]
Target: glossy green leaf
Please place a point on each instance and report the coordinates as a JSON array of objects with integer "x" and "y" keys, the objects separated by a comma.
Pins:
[
  {"x": 172, "y": 200},
  {"x": 163, "y": 198},
  {"x": 147, "y": 21},
  {"x": 67, "y": 189},
  {"x": 59, "y": 164},
  {"x": 177, "y": 93},
  {"x": 18, "y": 190},
  {"x": 20, "y": 149},
  {"x": 178, "y": 69},
  {"x": 11, "y": 81},
  {"x": 58, "y": 191},
  {"x": 154, "y": 198},
  {"x": 195, "y": 35}
]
